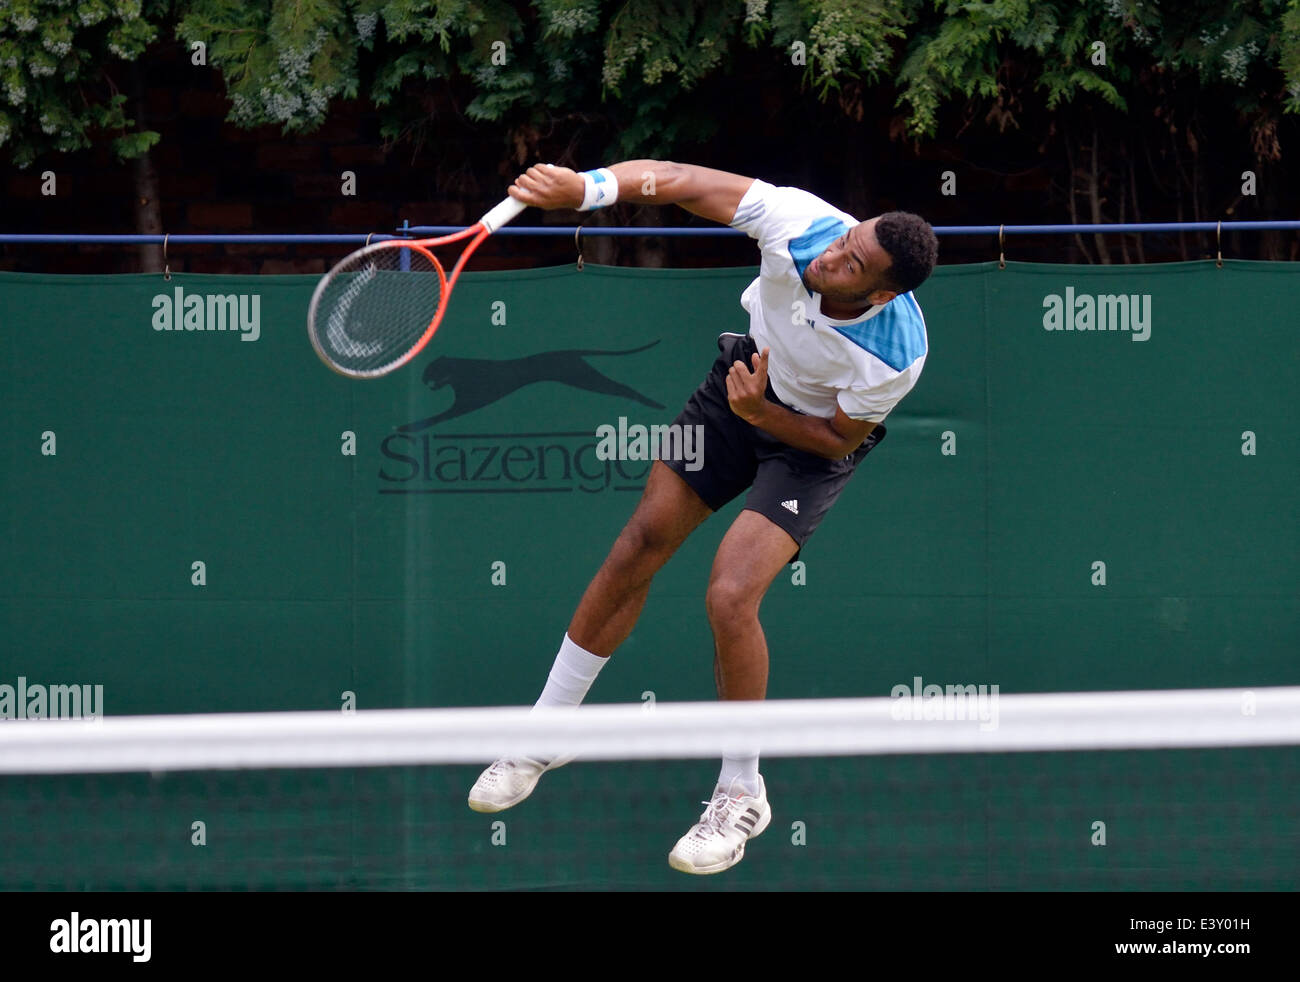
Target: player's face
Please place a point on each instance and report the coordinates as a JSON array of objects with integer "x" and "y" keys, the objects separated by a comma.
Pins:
[{"x": 851, "y": 269}]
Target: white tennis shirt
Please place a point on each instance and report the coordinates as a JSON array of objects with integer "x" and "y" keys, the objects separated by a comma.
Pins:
[{"x": 866, "y": 364}]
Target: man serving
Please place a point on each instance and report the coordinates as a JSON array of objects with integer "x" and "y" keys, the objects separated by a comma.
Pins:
[{"x": 835, "y": 341}]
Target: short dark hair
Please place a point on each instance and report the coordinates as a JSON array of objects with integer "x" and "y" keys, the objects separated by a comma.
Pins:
[{"x": 912, "y": 245}]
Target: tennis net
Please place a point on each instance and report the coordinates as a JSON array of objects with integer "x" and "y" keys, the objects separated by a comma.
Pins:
[{"x": 1169, "y": 790}]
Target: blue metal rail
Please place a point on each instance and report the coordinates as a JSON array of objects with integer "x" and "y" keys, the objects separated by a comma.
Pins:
[{"x": 58, "y": 238}]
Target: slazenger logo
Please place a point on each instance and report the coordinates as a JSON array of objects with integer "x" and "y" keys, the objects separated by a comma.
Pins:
[
  {"x": 1104, "y": 312},
  {"x": 418, "y": 461},
  {"x": 479, "y": 382},
  {"x": 181, "y": 311}
]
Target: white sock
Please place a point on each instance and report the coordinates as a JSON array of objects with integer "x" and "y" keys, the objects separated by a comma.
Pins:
[
  {"x": 571, "y": 676},
  {"x": 743, "y": 767}
]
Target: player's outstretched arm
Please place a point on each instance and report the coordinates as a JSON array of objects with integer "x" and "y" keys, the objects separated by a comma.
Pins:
[{"x": 711, "y": 194}]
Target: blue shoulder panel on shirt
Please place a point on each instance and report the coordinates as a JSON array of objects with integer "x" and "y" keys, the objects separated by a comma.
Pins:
[
  {"x": 814, "y": 241},
  {"x": 896, "y": 335}
]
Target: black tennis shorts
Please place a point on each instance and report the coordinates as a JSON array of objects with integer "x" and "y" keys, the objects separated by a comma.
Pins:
[{"x": 793, "y": 488}]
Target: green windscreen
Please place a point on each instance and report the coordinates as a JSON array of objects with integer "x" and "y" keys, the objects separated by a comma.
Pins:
[{"x": 1092, "y": 487}]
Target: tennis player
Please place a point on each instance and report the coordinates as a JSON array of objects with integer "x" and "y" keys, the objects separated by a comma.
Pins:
[{"x": 789, "y": 411}]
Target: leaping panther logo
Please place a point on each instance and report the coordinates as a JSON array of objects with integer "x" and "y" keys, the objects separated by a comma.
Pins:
[{"x": 479, "y": 382}]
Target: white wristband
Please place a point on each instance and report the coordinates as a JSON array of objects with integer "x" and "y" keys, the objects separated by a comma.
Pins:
[{"x": 601, "y": 189}]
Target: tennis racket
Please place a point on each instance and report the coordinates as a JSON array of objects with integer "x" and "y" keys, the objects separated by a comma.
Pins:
[{"x": 378, "y": 307}]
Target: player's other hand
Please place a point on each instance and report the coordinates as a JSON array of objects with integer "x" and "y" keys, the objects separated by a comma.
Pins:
[
  {"x": 746, "y": 390},
  {"x": 548, "y": 186}
]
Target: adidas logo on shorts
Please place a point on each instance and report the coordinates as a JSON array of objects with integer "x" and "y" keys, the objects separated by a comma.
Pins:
[{"x": 791, "y": 505}]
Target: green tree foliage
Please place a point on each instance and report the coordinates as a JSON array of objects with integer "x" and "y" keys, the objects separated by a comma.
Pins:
[
  {"x": 1289, "y": 58},
  {"x": 637, "y": 64},
  {"x": 283, "y": 62},
  {"x": 1243, "y": 47},
  {"x": 57, "y": 66}
]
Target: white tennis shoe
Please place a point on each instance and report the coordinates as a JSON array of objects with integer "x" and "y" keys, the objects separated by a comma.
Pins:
[
  {"x": 717, "y": 841},
  {"x": 509, "y": 781}
]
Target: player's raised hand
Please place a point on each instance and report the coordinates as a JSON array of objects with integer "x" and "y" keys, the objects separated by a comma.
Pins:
[
  {"x": 746, "y": 390},
  {"x": 548, "y": 186}
]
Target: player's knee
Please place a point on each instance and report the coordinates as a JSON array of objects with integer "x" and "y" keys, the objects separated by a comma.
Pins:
[
  {"x": 729, "y": 600},
  {"x": 644, "y": 541}
]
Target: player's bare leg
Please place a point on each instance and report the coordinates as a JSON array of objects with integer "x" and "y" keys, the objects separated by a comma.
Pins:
[
  {"x": 752, "y": 552},
  {"x": 668, "y": 512}
]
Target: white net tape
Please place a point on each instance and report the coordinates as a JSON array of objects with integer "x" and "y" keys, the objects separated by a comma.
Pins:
[{"x": 951, "y": 723}]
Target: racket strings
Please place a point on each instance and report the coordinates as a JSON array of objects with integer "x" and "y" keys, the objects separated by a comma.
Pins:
[{"x": 373, "y": 307}]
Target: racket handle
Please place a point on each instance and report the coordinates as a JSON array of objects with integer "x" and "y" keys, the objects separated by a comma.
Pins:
[{"x": 507, "y": 211}]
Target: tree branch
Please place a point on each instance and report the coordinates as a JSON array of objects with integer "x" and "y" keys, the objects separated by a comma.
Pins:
[
  {"x": 1094, "y": 198},
  {"x": 1074, "y": 213}
]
